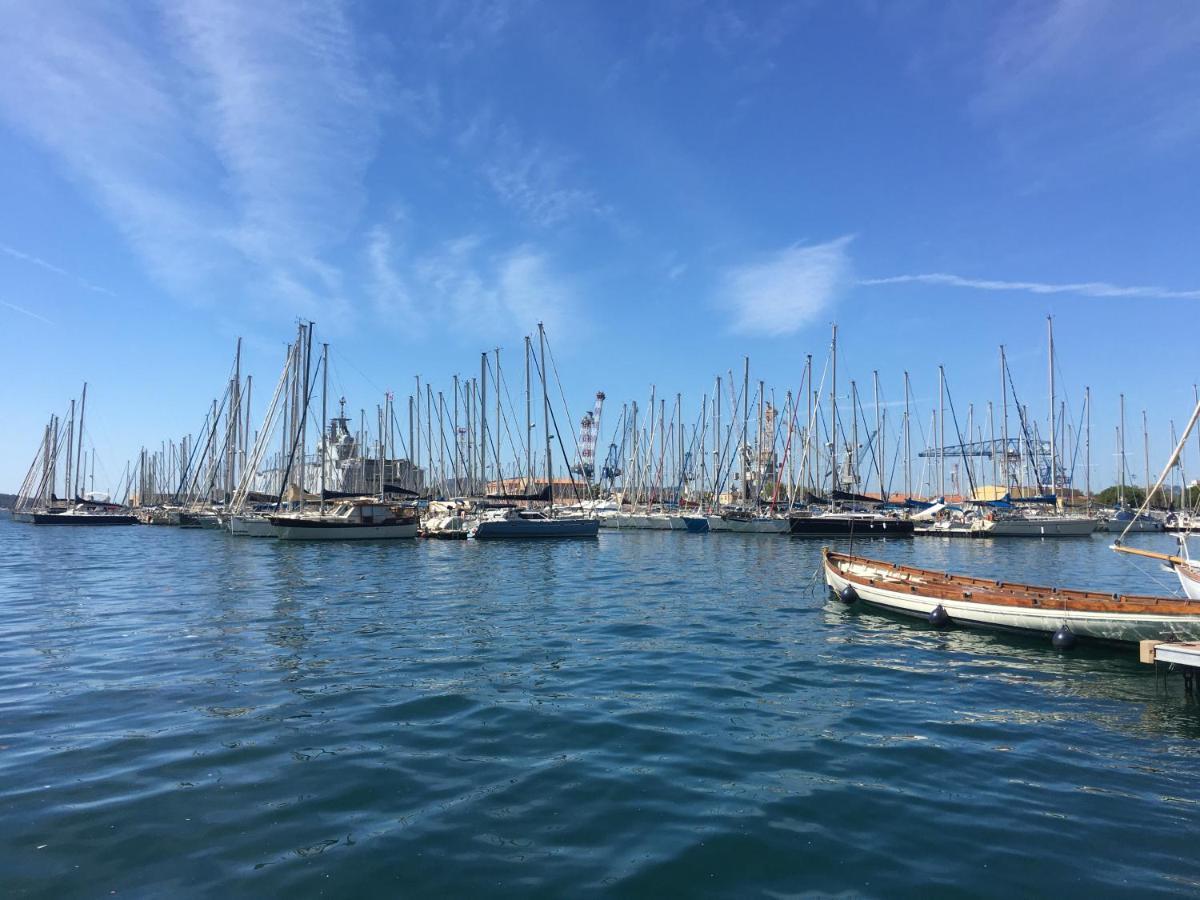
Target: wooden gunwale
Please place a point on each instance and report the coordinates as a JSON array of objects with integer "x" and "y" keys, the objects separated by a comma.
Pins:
[{"x": 969, "y": 589}]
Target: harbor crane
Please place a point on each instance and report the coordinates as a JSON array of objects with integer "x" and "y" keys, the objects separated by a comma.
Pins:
[{"x": 589, "y": 431}]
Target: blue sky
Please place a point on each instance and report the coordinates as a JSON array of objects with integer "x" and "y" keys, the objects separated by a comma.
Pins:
[{"x": 668, "y": 186}]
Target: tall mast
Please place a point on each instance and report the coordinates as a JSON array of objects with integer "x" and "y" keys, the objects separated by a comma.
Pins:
[
  {"x": 246, "y": 429},
  {"x": 1053, "y": 448},
  {"x": 1146, "y": 450},
  {"x": 942, "y": 432},
  {"x": 1087, "y": 452},
  {"x": 499, "y": 429},
  {"x": 483, "y": 442},
  {"x": 546, "y": 413},
  {"x": 1004, "y": 416},
  {"x": 528, "y": 418},
  {"x": 907, "y": 442},
  {"x": 992, "y": 441},
  {"x": 69, "y": 483},
  {"x": 879, "y": 435},
  {"x": 1121, "y": 441},
  {"x": 852, "y": 456},
  {"x": 808, "y": 423},
  {"x": 323, "y": 447},
  {"x": 716, "y": 443},
  {"x": 745, "y": 426},
  {"x": 457, "y": 486},
  {"x": 442, "y": 440},
  {"x": 833, "y": 423},
  {"x": 79, "y": 451},
  {"x": 679, "y": 413}
]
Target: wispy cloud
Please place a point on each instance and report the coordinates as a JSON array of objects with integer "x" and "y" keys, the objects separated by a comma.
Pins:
[
  {"x": 25, "y": 312},
  {"x": 783, "y": 292},
  {"x": 529, "y": 175},
  {"x": 1082, "y": 288},
  {"x": 1041, "y": 64},
  {"x": 466, "y": 288},
  {"x": 50, "y": 267},
  {"x": 228, "y": 142}
]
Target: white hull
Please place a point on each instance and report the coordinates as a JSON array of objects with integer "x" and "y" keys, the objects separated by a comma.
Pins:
[
  {"x": 345, "y": 532},
  {"x": 638, "y": 521},
  {"x": 1189, "y": 580},
  {"x": 1106, "y": 626},
  {"x": 1115, "y": 526},
  {"x": 1050, "y": 526},
  {"x": 251, "y": 526},
  {"x": 749, "y": 526}
]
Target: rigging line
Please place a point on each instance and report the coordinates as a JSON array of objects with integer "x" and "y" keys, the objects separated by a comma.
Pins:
[
  {"x": 958, "y": 434},
  {"x": 562, "y": 393},
  {"x": 558, "y": 437}
]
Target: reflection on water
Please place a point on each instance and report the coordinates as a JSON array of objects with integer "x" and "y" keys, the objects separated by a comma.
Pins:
[{"x": 647, "y": 713}]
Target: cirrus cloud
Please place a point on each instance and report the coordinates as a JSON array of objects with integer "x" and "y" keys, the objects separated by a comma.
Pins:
[{"x": 782, "y": 292}]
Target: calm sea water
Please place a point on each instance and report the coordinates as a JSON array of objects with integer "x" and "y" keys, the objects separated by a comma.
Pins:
[{"x": 654, "y": 714}]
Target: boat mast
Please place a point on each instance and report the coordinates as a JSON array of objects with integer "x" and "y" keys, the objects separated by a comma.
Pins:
[
  {"x": 833, "y": 424},
  {"x": 546, "y": 413},
  {"x": 1053, "y": 455},
  {"x": 483, "y": 419},
  {"x": 1087, "y": 446},
  {"x": 323, "y": 447},
  {"x": 528, "y": 419},
  {"x": 942, "y": 432},
  {"x": 716, "y": 445},
  {"x": 68, "y": 483},
  {"x": 1121, "y": 440},
  {"x": 879, "y": 435},
  {"x": 499, "y": 429},
  {"x": 808, "y": 424},
  {"x": 679, "y": 480},
  {"x": 1004, "y": 418},
  {"x": 79, "y": 452},
  {"x": 745, "y": 427},
  {"x": 907, "y": 440},
  {"x": 1146, "y": 451},
  {"x": 457, "y": 486}
]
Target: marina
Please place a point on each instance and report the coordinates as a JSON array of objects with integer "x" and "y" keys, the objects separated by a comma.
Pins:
[
  {"x": 516, "y": 449},
  {"x": 466, "y": 707}
]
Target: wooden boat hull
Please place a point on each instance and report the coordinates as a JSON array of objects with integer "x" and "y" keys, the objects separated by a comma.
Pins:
[{"x": 980, "y": 602}]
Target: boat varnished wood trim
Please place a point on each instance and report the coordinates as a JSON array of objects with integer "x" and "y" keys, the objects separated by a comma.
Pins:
[
  {"x": 1149, "y": 554},
  {"x": 944, "y": 586}
]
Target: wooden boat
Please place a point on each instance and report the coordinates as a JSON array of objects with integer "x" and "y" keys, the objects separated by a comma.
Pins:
[{"x": 942, "y": 598}]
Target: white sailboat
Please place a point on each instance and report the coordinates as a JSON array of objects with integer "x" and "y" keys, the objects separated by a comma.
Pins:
[{"x": 1185, "y": 568}]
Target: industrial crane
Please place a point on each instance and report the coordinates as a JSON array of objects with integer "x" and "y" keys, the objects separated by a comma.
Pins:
[{"x": 589, "y": 430}]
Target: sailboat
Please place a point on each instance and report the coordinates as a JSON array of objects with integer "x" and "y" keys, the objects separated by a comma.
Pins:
[
  {"x": 1015, "y": 521},
  {"x": 90, "y": 510},
  {"x": 1125, "y": 519},
  {"x": 499, "y": 524},
  {"x": 1186, "y": 569},
  {"x": 852, "y": 514},
  {"x": 355, "y": 518}
]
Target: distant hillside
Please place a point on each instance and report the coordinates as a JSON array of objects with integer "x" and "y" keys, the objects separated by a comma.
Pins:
[{"x": 8, "y": 501}]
